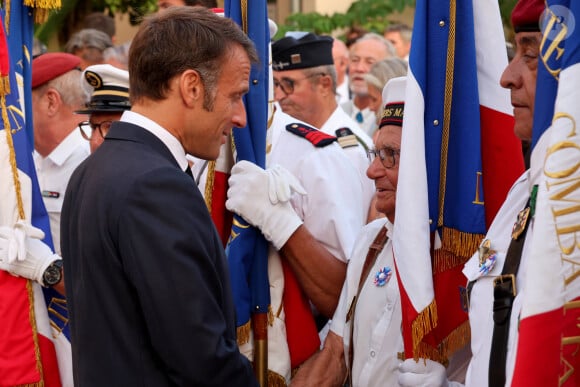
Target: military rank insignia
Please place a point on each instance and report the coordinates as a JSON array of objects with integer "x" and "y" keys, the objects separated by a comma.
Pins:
[
  {"x": 346, "y": 138},
  {"x": 316, "y": 137}
]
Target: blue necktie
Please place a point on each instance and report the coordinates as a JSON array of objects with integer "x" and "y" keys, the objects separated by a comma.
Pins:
[{"x": 359, "y": 117}]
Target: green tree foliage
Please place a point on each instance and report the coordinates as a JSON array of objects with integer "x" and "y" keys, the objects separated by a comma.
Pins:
[
  {"x": 369, "y": 14},
  {"x": 66, "y": 20}
]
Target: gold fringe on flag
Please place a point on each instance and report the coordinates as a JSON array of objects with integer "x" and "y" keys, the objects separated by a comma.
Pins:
[
  {"x": 209, "y": 185},
  {"x": 270, "y": 316},
  {"x": 243, "y": 332},
  {"x": 457, "y": 247},
  {"x": 275, "y": 380},
  {"x": 457, "y": 339},
  {"x": 460, "y": 243},
  {"x": 42, "y": 8},
  {"x": 422, "y": 325},
  {"x": 32, "y": 317},
  {"x": 4, "y": 87}
]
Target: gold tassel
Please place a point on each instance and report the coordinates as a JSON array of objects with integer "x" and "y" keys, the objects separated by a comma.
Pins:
[
  {"x": 270, "y": 316},
  {"x": 423, "y": 324},
  {"x": 4, "y": 86},
  {"x": 460, "y": 243},
  {"x": 275, "y": 380},
  {"x": 209, "y": 184},
  {"x": 244, "y": 333},
  {"x": 457, "y": 339},
  {"x": 32, "y": 317}
]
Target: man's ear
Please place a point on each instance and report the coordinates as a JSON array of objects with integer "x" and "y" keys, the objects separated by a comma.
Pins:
[
  {"x": 191, "y": 87},
  {"x": 326, "y": 82},
  {"x": 54, "y": 101}
]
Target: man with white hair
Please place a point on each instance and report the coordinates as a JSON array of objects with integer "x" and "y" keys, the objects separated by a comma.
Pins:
[{"x": 365, "y": 52}]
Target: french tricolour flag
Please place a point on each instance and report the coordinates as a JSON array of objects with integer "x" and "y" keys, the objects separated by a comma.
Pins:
[
  {"x": 459, "y": 158},
  {"x": 548, "y": 351},
  {"x": 34, "y": 349}
]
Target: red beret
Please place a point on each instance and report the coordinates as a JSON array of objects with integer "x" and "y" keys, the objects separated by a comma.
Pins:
[
  {"x": 48, "y": 66},
  {"x": 526, "y": 15}
]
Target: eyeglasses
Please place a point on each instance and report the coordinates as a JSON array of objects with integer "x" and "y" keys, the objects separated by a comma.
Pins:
[
  {"x": 87, "y": 127},
  {"x": 387, "y": 155},
  {"x": 287, "y": 84}
]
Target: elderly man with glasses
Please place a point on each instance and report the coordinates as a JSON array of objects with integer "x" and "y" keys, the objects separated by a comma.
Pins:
[{"x": 109, "y": 89}]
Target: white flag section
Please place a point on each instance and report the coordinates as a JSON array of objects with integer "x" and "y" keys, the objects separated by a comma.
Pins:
[
  {"x": 457, "y": 58},
  {"x": 549, "y": 338}
]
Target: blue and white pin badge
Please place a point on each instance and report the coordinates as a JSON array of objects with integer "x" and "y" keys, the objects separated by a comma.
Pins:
[
  {"x": 383, "y": 276},
  {"x": 487, "y": 257}
]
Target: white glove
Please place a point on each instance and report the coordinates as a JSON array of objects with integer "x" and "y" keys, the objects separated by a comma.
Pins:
[
  {"x": 23, "y": 254},
  {"x": 424, "y": 373},
  {"x": 262, "y": 198}
]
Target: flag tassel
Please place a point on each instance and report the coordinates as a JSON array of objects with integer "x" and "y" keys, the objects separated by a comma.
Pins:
[{"x": 422, "y": 325}]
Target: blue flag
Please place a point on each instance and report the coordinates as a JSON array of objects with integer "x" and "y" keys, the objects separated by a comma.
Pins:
[
  {"x": 247, "y": 250},
  {"x": 19, "y": 24}
]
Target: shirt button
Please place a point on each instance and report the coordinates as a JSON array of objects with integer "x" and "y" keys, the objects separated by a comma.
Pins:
[
  {"x": 389, "y": 306},
  {"x": 372, "y": 353}
]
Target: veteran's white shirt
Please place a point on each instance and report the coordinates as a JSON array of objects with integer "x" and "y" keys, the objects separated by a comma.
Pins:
[
  {"x": 53, "y": 174},
  {"x": 377, "y": 330},
  {"x": 357, "y": 154}
]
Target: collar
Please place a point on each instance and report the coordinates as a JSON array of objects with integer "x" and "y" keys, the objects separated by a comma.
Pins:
[
  {"x": 170, "y": 141},
  {"x": 67, "y": 147}
]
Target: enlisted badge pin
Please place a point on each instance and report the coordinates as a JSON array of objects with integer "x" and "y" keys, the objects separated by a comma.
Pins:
[
  {"x": 383, "y": 276},
  {"x": 520, "y": 224},
  {"x": 487, "y": 257}
]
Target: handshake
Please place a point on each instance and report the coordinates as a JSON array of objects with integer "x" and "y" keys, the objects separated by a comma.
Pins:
[
  {"x": 23, "y": 254},
  {"x": 262, "y": 198}
]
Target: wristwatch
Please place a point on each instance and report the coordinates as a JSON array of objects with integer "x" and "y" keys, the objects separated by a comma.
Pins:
[{"x": 53, "y": 273}]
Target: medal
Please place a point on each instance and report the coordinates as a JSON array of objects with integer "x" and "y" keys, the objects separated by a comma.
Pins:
[
  {"x": 487, "y": 257},
  {"x": 520, "y": 224},
  {"x": 383, "y": 276}
]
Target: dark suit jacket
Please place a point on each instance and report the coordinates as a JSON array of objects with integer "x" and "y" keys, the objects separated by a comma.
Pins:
[{"x": 145, "y": 272}]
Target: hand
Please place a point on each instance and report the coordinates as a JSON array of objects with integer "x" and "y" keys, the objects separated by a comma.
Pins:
[
  {"x": 23, "y": 254},
  {"x": 262, "y": 198},
  {"x": 424, "y": 373}
]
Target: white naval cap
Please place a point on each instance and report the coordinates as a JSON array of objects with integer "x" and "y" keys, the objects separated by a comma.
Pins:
[{"x": 108, "y": 87}]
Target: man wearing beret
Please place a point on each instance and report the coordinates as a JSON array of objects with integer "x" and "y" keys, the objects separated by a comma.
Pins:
[
  {"x": 305, "y": 88},
  {"x": 109, "y": 89},
  {"x": 59, "y": 149},
  {"x": 494, "y": 346}
]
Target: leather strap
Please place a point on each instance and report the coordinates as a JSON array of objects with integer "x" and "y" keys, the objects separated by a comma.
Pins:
[
  {"x": 504, "y": 293},
  {"x": 374, "y": 250}
]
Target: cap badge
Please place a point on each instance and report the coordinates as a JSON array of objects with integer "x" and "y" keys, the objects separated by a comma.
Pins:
[
  {"x": 295, "y": 58},
  {"x": 94, "y": 79}
]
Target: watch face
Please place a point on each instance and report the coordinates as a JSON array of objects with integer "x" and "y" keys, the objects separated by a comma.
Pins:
[{"x": 52, "y": 275}]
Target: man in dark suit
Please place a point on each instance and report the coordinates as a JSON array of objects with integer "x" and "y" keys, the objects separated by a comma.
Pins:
[{"x": 146, "y": 276}]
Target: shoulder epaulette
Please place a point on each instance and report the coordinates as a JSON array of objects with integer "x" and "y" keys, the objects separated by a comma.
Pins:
[
  {"x": 346, "y": 138},
  {"x": 315, "y": 136}
]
